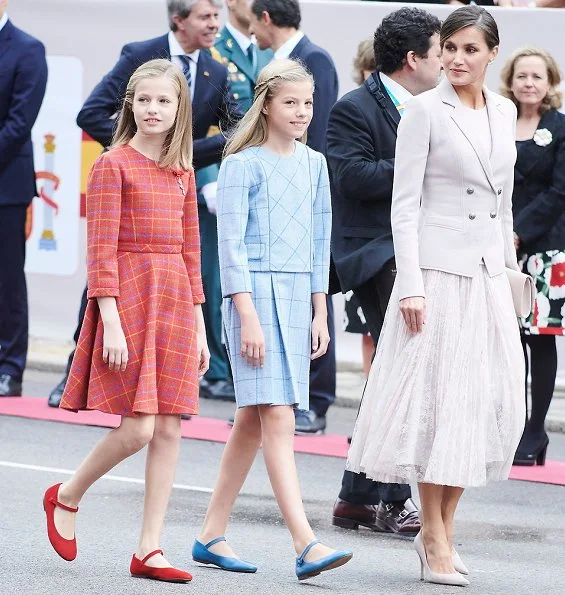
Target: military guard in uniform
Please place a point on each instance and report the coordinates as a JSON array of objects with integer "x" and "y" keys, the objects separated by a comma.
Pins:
[{"x": 237, "y": 51}]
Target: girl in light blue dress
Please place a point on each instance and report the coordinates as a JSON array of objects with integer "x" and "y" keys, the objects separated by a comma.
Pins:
[{"x": 274, "y": 225}]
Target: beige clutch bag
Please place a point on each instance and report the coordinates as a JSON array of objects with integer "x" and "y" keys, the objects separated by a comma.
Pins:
[{"x": 523, "y": 292}]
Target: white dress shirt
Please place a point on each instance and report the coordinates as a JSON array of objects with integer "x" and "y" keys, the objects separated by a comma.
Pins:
[
  {"x": 243, "y": 41},
  {"x": 176, "y": 50},
  {"x": 401, "y": 94},
  {"x": 288, "y": 46},
  {"x": 3, "y": 21}
]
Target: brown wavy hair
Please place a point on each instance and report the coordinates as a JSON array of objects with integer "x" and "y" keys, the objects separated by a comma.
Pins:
[
  {"x": 553, "y": 99},
  {"x": 177, "y": 148},
  {"x": 364, "y": 60}
]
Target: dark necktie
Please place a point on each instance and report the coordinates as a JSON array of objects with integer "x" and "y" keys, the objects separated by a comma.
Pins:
[
  {"x": 186, "y": 60},
  {"x": 251, "y": 55}
]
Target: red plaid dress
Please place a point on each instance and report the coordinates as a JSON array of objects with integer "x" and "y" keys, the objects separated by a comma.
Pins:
[{"x": 143, "y": 249}]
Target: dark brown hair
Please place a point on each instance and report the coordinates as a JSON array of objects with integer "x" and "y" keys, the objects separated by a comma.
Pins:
[{"x": 470, "y": 16}]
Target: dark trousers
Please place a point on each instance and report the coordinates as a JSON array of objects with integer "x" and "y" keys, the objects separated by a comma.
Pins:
[
  {"x": 374, "y": 296},
  {"x": 323, "y": 372},
  {"x": 212, "y": 308},
  {"x": 13, "y": 291}
]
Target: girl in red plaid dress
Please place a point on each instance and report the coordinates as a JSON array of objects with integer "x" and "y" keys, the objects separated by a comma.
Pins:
[{"x": 142, "y": 346}]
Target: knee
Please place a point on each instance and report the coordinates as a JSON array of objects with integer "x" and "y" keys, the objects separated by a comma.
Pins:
[
  {"x": 134, "y": 440},
  {"x": 248, "y": 422},
  {"x": 277, "y": 419},
  {"x": 167, "y": 429}
]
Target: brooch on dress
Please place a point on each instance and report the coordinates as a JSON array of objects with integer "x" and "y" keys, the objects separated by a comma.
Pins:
[
  {"x": 181, "y": 186},
  {"x": 543, "y": 137}
]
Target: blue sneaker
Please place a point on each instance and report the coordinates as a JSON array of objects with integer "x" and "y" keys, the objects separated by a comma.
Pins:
[
  {"x": 305, "y": 570},
  {"x": 202, "y": 554}
]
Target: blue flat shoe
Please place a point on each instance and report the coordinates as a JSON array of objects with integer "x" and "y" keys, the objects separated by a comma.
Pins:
[
  {"x": 305, "y": 570},
  {"x": 201, "y": 553}
]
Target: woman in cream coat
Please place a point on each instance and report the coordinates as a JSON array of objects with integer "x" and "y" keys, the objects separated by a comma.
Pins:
[{"x": 443, "y": 404}]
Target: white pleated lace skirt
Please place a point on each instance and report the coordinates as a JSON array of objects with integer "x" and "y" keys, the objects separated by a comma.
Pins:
[{"x": 445, "y": 406}]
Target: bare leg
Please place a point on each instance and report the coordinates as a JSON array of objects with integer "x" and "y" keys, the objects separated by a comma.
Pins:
[
  {"x": 131, "y": 436},
  {"x": 277, "y": 423},
  {"x": 449, "y": 502},
  {"x": 239, "y": 454},
  {"x": 438, "y": 552},
  {"x": 368, "y": 348},
  {"x": 160, "y": 467}
]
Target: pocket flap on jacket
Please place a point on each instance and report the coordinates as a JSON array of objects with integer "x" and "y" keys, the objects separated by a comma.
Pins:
[{"x": 255, "y": 251}]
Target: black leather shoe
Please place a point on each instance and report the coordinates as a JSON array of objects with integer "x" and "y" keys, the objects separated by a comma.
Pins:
[
  {"x": 221, "y": 390},
  {"x": 9, "y": 386},
  {"x": 402, "y": 519},
  {"x": 308, "y": 423},
  {"x": 56, "y": 394}
]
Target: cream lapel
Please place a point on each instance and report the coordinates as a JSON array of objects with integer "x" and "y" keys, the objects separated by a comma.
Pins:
[
  {"x": 449, "y": 96},
  {"x": 498, "y": 132}
]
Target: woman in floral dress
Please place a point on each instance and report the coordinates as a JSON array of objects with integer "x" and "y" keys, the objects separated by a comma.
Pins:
[{"x": 531, "y": 79}]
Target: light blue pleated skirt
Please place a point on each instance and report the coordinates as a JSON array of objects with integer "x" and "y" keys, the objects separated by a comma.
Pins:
[{"x": 284, "y": 304}]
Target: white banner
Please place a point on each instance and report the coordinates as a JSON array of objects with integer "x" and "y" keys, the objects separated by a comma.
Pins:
[{"x": 52, "y": 247}]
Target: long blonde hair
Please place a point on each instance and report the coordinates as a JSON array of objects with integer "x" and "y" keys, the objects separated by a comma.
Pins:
[
  {"x": 177, "y": 148},
  {"x": 252, "y": 129},
  {"x": 553, "y": 98}
]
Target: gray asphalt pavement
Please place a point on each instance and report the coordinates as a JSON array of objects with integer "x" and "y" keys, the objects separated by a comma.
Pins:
[{"x": 510, "y": 534}]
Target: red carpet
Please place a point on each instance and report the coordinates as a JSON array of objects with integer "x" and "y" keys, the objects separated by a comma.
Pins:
[{"x": 217, "y": 430}]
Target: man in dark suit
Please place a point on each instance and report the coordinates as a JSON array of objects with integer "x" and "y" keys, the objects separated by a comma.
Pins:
[
  {"x": 193, "y": 28},
  {"x": 361, "y": 146},
  {"x": 23, "y": 78},
  {"x": 276, "y": 25}
]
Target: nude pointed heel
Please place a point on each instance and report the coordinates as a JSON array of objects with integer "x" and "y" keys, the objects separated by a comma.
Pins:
[
  {"x": 458, "y": 563},
  {"x": 429, "y": 576}
]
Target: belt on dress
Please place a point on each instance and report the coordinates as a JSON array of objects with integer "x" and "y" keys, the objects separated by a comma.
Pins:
[{"x": 156, "y": 248}]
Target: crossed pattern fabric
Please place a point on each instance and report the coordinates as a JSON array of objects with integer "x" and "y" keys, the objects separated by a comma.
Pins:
[
  {"x": 143, "y": 249},
  {"x": 274, "y": 222}
]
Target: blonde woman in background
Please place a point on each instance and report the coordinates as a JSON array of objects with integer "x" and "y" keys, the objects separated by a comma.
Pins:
[{"x": 531, "y": 79}]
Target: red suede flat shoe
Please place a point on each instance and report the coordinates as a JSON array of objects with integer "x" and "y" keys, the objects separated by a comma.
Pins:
[
  {"x": 66, "y": 548},
  {"x": 139, "y": 569}
]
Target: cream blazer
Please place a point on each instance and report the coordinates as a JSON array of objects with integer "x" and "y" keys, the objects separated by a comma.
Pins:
[{"x": 451, "y": 201}]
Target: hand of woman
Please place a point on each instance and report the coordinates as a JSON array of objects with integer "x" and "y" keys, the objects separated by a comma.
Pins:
[
  {"x": 413, "y": 310},
  {"x": 203, "y": 353},
  {"x": 252, "y": 340},
  {"x": 201, "y": 342},
  {"x": 114, "y": 349},
  {"x": 516, "y": 241},
  {"x": 320, "y": 336}
]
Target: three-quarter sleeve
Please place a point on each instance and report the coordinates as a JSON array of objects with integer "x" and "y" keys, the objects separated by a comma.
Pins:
[
  {"x": 103, "y": 212},
  {"x": 412, "y": 148},
  {"x": 191, "y": 241},
  {"x": 322, "y": 227},
  {"x": 233, "y": 211}
]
